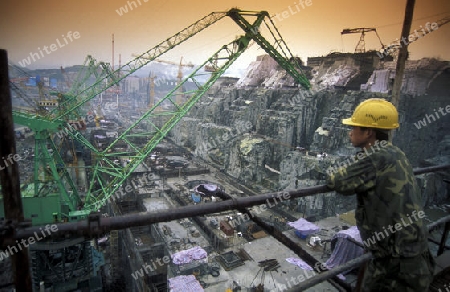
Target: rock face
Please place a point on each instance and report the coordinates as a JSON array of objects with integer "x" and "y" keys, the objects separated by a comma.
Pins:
[
  {"x": 343, "y": 70},
  {"x": 414, "y": 84},
  {"x": 265, "y": 72},
  {"x": 253, "y": 126},
  {"x": 270, "y": 134}
]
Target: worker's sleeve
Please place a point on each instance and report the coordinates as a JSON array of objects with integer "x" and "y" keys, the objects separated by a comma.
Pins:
[{"x": 355, "y": 177}]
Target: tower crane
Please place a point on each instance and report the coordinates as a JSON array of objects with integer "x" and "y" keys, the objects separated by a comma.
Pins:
[
  {"x": 66, "y": 78},
  {"x": 361, "y": 45},
  {"x": 180, "y": 65},
  {"x": 151, "y": 89},
  {"x": 54, "y": 190},
  {"x": 105, "y": 176}
]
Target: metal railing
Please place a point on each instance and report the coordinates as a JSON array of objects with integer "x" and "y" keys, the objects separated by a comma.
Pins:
[{"x": 96, "y": 225}]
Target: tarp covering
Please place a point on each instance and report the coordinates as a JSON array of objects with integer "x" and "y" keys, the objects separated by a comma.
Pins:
[
  {"x": 345, "y": 250},
  {"x": 188, "y": 255},
  {"x": 299, "y": 263},
  {"x": 304, "y": 226},
  {"x": 196, "y": 197},
  {"x": 185, "y": 284},
  {"x": 206, "y": 189}
]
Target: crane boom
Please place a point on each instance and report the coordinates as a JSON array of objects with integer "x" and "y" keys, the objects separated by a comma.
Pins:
[
  {"x": 284, "y": 58},
  {"x": 96, "y": 199},
  {"x": 180, "y": 96},
  {"x": 228, "y": 53},
  {"x": 137, "y": 63},
  {"x": 106, "y": 178}
]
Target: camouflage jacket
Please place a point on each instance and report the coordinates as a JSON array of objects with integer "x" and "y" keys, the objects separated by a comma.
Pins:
[{"x": 389, "y": 209}]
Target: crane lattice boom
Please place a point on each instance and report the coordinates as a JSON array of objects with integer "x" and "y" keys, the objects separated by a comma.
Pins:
[{"x": 106, "y": 177}]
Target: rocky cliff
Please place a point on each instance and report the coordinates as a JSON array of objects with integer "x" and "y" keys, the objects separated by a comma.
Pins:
[{"x": 270, "y": 134}]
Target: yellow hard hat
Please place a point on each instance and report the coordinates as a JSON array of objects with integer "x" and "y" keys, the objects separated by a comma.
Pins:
[{"x": 374, "y": 113}]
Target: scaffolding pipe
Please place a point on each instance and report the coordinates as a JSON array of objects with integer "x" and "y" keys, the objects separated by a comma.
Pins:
[
  {"x": 96, "y": 224},
  {"x": 331, "y": 273}
]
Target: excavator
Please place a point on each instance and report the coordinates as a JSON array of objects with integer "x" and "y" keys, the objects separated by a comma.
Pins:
[{"x": 54, "y": 197}]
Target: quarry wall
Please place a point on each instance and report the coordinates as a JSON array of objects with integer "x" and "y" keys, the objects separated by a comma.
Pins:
[{"x": 271, "y": 135}]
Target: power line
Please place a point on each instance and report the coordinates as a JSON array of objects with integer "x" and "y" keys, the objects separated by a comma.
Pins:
[{"x": 425, "y": 17}]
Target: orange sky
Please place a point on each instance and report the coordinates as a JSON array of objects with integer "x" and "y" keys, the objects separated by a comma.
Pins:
[{"x": 312, "y": 30}]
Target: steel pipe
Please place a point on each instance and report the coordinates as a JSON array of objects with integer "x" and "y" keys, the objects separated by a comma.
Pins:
[
  {"x": 331, "y": 273},
  {"x": 97, "y": 225}
]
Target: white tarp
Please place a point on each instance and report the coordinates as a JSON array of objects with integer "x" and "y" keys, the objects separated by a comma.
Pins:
[
  {"x": 344, "y": 249},
  {"x": 185, "y": 284},
  {"x": 299, "y": 263},
  {"x": 189, "y": 255},
  {"x": 304, "y": 226}
]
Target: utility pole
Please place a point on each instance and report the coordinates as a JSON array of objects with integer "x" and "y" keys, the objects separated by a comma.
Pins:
[{"x": 403, "y": 52}]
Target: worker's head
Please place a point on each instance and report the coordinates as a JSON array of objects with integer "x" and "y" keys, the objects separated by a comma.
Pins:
[{"x": 372, "y": 120}]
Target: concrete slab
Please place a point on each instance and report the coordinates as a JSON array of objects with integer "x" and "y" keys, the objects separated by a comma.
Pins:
[
  {"x": 250, "y": 274},
  {"x": 155, "y": 204}
]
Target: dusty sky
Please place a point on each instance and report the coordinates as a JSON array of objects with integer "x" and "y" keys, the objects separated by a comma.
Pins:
[{"x": 314, "y": 30}]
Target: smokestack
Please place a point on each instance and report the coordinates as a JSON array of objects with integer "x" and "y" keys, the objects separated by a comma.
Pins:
[{"x": 112, "y": 64}]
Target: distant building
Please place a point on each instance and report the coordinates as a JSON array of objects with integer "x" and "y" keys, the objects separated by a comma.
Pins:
[{"x": 131, "y": 84}]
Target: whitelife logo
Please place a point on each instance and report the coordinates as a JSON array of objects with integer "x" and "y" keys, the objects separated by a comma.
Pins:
[
  {"x": 132, "y": 4},
  {"x": 378, "y": 236},
  {"x": 432, "y": 118},
  {"x": 292, "y": 10},
  {"x": 30, "y": 240},
  {"x": 11, "y": 158},
  {"x": 430, "y": 27},
  {"x": 359, "y": 156},
  {"x": 34, "y": 56}
]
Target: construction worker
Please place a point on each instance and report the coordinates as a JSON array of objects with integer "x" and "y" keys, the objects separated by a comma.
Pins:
[{"x": 389, "y": 206}]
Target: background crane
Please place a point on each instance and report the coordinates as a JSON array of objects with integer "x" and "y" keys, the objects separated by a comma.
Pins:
[
  {"x": 180, "y": 95},
  {"x": 393, "y": 48},
  {"x": 151, "y": 89},
  {"x": 361, "y": 45}
]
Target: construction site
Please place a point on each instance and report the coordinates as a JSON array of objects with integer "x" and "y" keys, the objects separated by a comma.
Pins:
[{"x": 190, "y": 180}]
